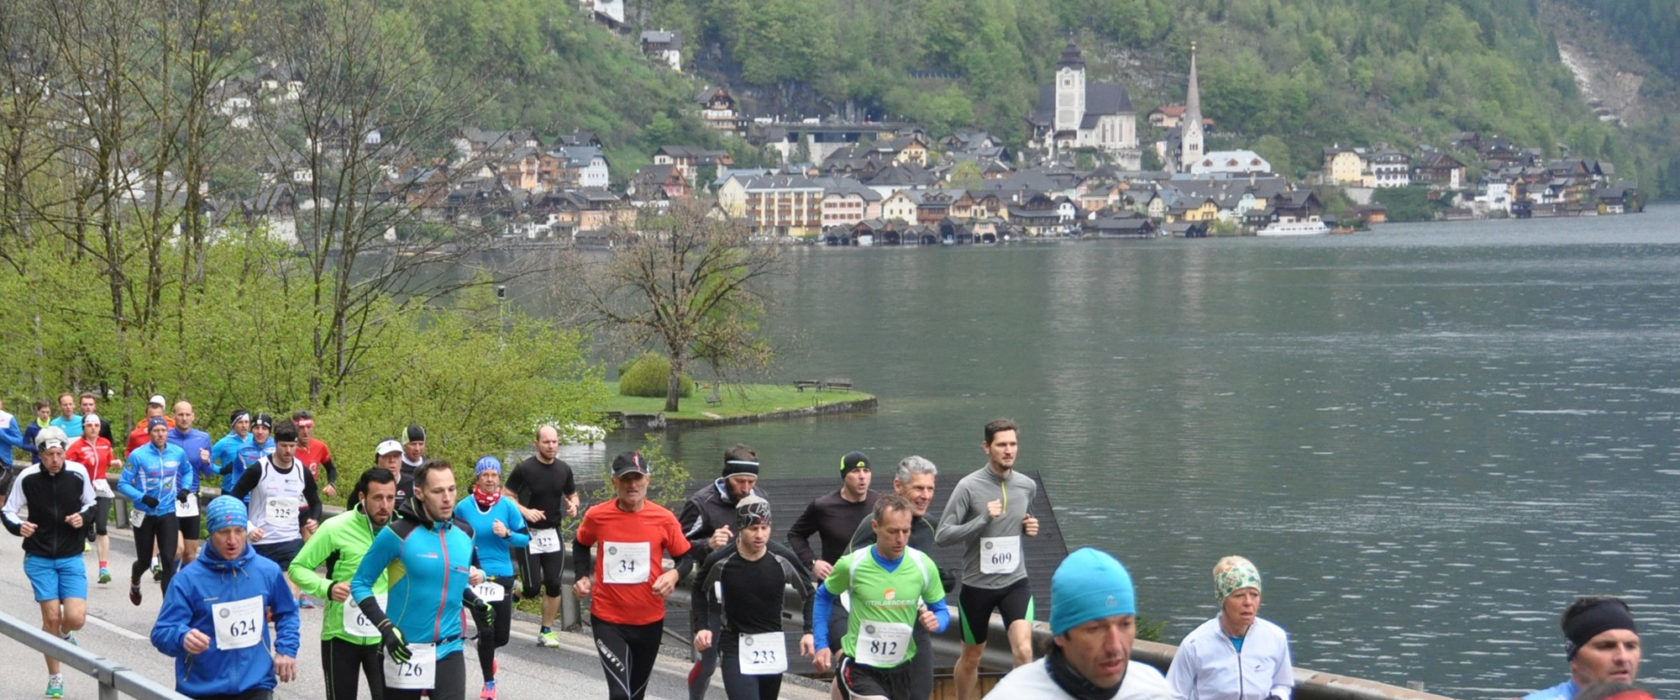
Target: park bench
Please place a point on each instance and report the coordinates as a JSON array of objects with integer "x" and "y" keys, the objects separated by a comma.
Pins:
[
  {"x": 803, "y": 384},
  {"x": 836, "y": 383}
]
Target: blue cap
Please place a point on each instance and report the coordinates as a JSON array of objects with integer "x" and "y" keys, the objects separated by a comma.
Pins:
[
  {"x": 224, "y": 512},
  {"x": 155, "y": 421},
  {"x": 487, "y": 464},
  {"x": 1089, "y": 585}
]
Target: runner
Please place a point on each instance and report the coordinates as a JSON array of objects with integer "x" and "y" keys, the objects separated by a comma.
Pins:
[
  {"x": 212, "y": 619},
  {"x": 196, "y": 444},
  {"x": 835, "y": 517},
  {"x": 348, "y": 641},
  {"x": 893, "y": 587},
  {"x": 315, "y": 454},
  {"x": 11, "y": 435},
  {"x": 256, "y": 446},
  {"x": 914, "y": 480},
  {"x": 429, "y": 556},
  {"x": 59, "y": 499},
  {"x": 95, "y": 456},
  {"x": 498, "y": 528},
  {"x": 43, "y": 419},
  {"x": 1093, "y": 615},
  {"x": 284, "y": 505},
  {"x": 541, "y": 487},
  {"x": 89, "y": 403},
  {"x": 156, "y": 407},
  {"x": 387, "y": 456},
  {"x": 413, "y": 457},
  {"x": 225, "y": 453},
  {"x": 631, "y": 534},
  {"x": 67, "y": 420},
  {"x": 988, "y": 514},
  {"x": 705, "y": 520},
  {"x": 738, "y": 594},
  {"x": 152, "y": 481}
]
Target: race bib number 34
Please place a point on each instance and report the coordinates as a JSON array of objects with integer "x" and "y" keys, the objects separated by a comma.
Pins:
[
  {"x": 626, "y": 562},
  {"x": 763, "y": 654},
  {"x": 1000, "y": 555},
  {"x": 239, "y": 623}
]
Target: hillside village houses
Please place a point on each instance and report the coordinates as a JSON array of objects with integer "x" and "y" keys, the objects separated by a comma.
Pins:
[{"x": 893, "y": 183}]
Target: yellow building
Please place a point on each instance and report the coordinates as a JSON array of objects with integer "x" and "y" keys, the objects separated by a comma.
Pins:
[{"x": 1345, "y": 166}]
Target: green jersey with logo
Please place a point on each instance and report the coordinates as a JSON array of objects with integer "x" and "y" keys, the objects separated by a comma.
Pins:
[{"x": 885, "y": 604}]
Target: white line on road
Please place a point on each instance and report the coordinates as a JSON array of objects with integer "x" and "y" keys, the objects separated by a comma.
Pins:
[{"x": 124, "y": 631}]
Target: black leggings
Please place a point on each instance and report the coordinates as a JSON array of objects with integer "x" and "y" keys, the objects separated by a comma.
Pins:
[
  {"x": 738, "y": 686},
  {"x": 101, "y": 507},
  {"x": 539, "y": 570},
  {"x": 490, "y": 639},
  {"x": 451, "y": 681},
  {"x": 160, "y": 530},
  {"x": 627, "y": 654},
  {"x": 345, "y": 663}
]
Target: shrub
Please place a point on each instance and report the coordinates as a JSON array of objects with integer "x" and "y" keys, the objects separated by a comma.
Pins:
[{"x": 648, "y": 375}]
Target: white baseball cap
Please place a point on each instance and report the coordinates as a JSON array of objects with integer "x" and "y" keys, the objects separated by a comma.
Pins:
[
  {"x": 157, "y": 400},
  {"x": 387, "y": 447}
]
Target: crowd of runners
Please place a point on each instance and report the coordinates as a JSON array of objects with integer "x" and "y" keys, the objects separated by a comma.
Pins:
[{"x": 407, "y": 560}]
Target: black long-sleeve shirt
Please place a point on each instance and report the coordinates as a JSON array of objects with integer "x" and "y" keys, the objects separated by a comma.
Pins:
[{"x": 832, "y": 518}]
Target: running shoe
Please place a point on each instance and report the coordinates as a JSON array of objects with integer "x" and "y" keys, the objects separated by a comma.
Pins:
[
  {"x": 71, "y": 638},
  {"x": 306, "y": 603},
  {"x": 55, "y": 686},
  {"x": 134, "y": 593},
  {"x": 104, "y": 575},
  {"x": 548, "y": 639},
  {"x": 157, "y": 572},
  {"x": 489, "y": 692}
]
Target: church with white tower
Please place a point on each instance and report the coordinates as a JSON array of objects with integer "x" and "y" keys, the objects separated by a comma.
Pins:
[{"x": 1075, "y": 114}]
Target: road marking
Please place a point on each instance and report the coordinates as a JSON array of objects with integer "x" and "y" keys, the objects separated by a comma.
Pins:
[{"x": 123, "y": 631}]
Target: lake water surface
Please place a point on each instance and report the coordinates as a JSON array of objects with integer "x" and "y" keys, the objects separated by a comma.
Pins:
[{"x": 1429, "y": 437}]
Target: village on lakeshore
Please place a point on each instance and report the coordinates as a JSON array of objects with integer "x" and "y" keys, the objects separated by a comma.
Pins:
[{"x": 1080, "y": 174}]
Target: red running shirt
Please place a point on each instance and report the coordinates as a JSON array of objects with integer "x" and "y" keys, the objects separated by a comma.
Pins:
[
  {"x": 96, "y": 456},
  {"x": 605, "y": 529}
]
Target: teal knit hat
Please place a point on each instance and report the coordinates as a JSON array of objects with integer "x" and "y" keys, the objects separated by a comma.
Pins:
[{"x": 1089, "y": 585}]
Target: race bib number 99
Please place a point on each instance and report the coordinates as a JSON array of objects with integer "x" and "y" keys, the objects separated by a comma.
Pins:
[{"x": 626, "y": 562}]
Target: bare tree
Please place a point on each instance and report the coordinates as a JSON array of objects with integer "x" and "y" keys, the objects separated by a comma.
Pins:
[{"x": 689, "y": 282}]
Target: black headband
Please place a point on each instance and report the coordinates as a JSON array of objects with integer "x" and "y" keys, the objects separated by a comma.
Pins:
[{"x": 1603, "y": 616}]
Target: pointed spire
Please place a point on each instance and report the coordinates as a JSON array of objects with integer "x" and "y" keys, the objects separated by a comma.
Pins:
[
  {"x": 1071, "y": 56},
  {"x": 1193, "y": 101}
]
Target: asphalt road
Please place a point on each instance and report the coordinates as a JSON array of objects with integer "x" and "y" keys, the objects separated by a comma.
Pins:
[{"x": 119, "y": 631}]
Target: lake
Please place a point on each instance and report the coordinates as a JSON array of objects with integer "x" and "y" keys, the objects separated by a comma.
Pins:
[{"x": 1429, "y": 437}]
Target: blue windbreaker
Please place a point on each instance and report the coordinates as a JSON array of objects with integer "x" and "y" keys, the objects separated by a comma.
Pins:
[
  {"x": 428, "y": 564},
  {"x": 187, "y": 604},
  {"x": 248, "y": 455},
  {"x": 190, "y": 443},
  {"x": 11, "y": 435},
  {"x": 493, "y": 555},
  {"x": 156, "y": 473}
]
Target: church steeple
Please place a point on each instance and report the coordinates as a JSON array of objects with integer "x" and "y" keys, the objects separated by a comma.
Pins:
[
  {"x": 1193, "y": 144},
  {"x": 1070, "y": 89}
]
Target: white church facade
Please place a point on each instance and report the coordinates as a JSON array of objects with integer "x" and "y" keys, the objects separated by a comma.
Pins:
[{"x": 1075, "y": 114}]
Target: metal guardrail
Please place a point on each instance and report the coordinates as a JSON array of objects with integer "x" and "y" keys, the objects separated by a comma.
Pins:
[{"x": 113, "y": 677}]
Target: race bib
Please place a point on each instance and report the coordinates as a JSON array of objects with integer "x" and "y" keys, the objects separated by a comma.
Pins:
[
  {"x": 135, "y": 517},
  {"x": 544, "y": 541},
  {"x": 278, "y": 510},
  {"x": 625, "y": 562},
  {"x": 418, "y": 673},
  {"x": 1000, "y": 555},
  {"x": 357, "y": 624},
  {"x": 882, "y": 644},
  {"x": 490, "y": 592},
  {"x": 239, "y": 624},
  {"x": 189, "y": 508},
  {"x": 102, "y": 489},
  {"x": 763, "y": 654}
]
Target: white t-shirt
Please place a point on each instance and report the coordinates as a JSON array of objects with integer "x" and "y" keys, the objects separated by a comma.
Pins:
[{"x": 1142, "y": 682}]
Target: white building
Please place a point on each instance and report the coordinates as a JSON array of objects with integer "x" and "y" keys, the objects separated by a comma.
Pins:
[
  {"x": 1076, "y": 114},
  {"x": 1230, "y": 163}
]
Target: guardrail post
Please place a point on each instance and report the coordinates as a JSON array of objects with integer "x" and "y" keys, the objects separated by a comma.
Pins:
[
  {"x": 108, "y": 683},
  {"x": 571, "y": 613}
]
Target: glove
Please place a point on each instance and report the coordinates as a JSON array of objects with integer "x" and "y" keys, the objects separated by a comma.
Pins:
[
  {"x": 484, "y": 609},
  {"x": 395, "y": 644},
  {"x": 225, "y": 470},
  {"x": 182, "y": 496},
  {"x": 149, "y": 501}
]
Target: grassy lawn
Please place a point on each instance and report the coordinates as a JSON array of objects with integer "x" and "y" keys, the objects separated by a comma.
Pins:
[{"x": 738, "y": 400}]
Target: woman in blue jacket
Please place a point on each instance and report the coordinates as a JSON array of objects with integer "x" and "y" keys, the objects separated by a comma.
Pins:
[
  {"x": 497, "y": 527},
  {"x": 212, "y": 619},
  {"x": 154, "y": 479}
]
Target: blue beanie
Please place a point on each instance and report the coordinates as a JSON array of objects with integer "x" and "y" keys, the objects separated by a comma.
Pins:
[
  {"x": 224, "y": 512},
  {"x": 1089, "y": 585},
  {"x": 487, "y": 464}
]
